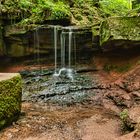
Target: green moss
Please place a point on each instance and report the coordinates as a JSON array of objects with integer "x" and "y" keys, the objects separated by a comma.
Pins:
[
  {"x": 120, "y": 28},
  {"x": 124, "y": 115},
  {"x": 10, "y": 100},
  {"x": 86, "y": 13},
  {"x": 35, "y": 11}
]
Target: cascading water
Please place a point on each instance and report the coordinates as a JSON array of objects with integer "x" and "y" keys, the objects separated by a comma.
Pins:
[
  {"x": 55, "y": 47},
  {"x": 66, "y": 87},
  {"x": 63, "y": 49},
  {"x": 70, "y": 70},
  {"x": 67, "y": 69},
  {"x": 75, "y": 49},
  {"x": 37, "y": 51},
  {"x": 70, "y": 45}
]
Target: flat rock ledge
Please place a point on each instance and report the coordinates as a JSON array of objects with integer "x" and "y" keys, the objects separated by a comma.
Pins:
[{"x": 10, "y": 98}]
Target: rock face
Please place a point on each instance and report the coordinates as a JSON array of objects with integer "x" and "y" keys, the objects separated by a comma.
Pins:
[
  {"x": 22, "y": 42},
  {"x": 16, "y": 43},
  {"x": 1, "y": 41},
  {"x": 120, "y": 32},
  {"x": 10, "y": 98}
]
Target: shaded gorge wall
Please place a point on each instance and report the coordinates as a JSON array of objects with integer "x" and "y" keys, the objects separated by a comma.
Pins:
[{"x": 28, "y": 43}]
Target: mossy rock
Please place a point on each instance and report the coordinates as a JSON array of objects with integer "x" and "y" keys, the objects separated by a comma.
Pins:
[
  {"x": 120, "y": 30},
  {"x": 10, "y": 98}
]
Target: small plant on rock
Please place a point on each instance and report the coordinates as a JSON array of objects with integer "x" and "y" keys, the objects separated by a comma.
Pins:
[{"x": 126, "y": 124}]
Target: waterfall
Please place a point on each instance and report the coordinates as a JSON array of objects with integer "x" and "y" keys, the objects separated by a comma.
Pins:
[
  {"x": 63, "y": 49},
  {"x": 36, "y": 46},
  {"x": 75, "y": 49},
  {"x": 55, "y": 46},
  {"x": 66, "y": 66},
  {"x": 70, "y": 45},
  {"x": 37, "y": 52}
]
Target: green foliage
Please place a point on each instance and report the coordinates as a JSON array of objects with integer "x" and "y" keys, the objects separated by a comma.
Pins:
[
  {"x": 136, "y": 8},
  {"x": 24, "y": 4},
  {"x": 86, "y": 13},
  {"x": 36, "y": 11},
  {"x": 83, "y": 12},
  {"x": 126, "y": 123},
  {"x": 124, "y": 115},
  {"x": 60, "y": 11},
  {"x": 115, "y": 7},
  {"x": 82, "y": 3}
]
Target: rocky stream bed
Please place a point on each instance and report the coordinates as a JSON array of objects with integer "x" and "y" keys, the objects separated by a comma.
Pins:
[{"x": 96, "y": 105}]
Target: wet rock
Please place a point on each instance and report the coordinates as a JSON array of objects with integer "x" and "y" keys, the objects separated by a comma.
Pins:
[
  {"x": 31, "y": 41},
  {"x": 60, "y": 90},
  {"x": 16, "y": 41}
]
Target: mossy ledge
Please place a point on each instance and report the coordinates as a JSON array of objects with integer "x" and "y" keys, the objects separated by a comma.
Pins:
[{"x": 10, "y": 98}]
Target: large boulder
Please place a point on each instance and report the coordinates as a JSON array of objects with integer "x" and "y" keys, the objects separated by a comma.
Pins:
[
  {"x": 120, "y": 32},
  {"x": 10, "y": 97}
]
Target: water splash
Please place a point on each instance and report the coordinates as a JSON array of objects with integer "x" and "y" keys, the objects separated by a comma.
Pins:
[
  {"x": 66, "y": 66},
  {"x": 65, "y": 72}
]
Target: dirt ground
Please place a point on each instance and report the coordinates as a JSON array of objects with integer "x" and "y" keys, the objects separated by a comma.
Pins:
[
  {"x": 85, "y": 121},
  {"x": 80, "y": 122}
]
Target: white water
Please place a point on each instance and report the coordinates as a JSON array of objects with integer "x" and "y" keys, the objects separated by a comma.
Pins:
[
  {"x": 75, "y": 49},
  {"x": 68, "y": 72},
  {"x": 37, "y": 47},
  {"x": 55, "y": 46},
  {"x": 63, "y": 49},
  {"x": 70, "y": 45},
  {"x": 37, "y": 52},
  {"x": 66, "y": 67}
]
